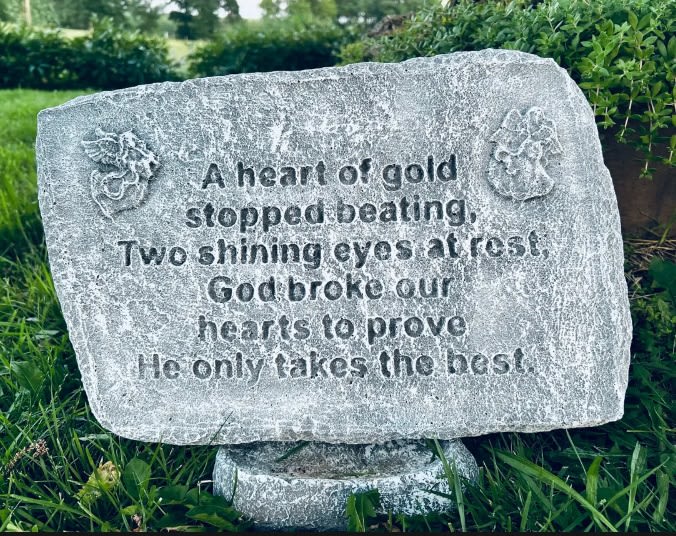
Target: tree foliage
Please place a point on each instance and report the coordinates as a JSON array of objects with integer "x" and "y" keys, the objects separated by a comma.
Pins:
[
  {"x": 324, "y": 9},
  {"x": 5, "y": 12},
  {"x": 371, "y": 11},
  {"x": 130, "y": 14},
  {"x": 345, "y": 11},
  {"x": 270, "y": 8},
  {"x": 199, "y": 19},
  {"x": 270, "y": 45}
]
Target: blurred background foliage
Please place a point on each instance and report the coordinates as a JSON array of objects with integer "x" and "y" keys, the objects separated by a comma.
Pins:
[
  {"x": 196, "y": 19},
  {"x": 80, "y": 14},
  {"x": 104, "y": 58},
  {"x": 622, "y": 53},
  {"x": 141, "y": 41},
  {"x": 271, "y": 45}
]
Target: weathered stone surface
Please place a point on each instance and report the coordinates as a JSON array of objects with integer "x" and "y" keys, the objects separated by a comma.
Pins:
[
  {"x": 476, "y": 286},
  {"x": 284, "y": 485}
]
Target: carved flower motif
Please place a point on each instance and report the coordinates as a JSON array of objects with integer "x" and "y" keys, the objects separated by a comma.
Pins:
[
  {"x": 524, "y": 144},
  {"x": 126, "y": 186}
]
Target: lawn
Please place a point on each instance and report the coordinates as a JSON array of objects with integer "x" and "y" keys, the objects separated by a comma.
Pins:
[{"x": 61, "y": 471}]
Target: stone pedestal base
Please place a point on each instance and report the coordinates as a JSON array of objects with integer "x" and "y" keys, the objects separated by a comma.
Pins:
[{"x": 306, "y": 485}]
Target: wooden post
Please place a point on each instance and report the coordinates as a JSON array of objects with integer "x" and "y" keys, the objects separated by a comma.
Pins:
[{"x": 27, "y": 12}]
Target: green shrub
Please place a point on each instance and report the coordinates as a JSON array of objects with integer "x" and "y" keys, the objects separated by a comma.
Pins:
[
  {"x": 114, "y": 59},
  {"x": 622, "y": 53},
  {"x": 104, "y": 59},
  {"x": 34, "y": 58},
  {"x": 271, "y": 45}
]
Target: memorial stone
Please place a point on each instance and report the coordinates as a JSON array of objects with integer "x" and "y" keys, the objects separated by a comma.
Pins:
[{"x": 352, "y": 255}]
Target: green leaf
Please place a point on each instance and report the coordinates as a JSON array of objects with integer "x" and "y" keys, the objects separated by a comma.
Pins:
[
  {"x": 28, "y": 375},
  {"x": 531, "y": 469},
  {"x": 453, "y": 482},
  {"x": 102, "y": 481},
  {"x": 645, "y": 21},
  {"x": 214, "y": 514},
  {"x": 593, "y": 480},
  {"x": 523, "y": 527},
  {"x": 173, "y": 494},
  {"x": 663, "y": 493},
  {"x": 174, "y": 521},
  {"x": 661, "y": 47},
  {"x": 671, "y": 47},
  {"x": 361, "y": 508},
  {"x": 135, "y": 477},
  {"x": 130, "y": 510},
  {"x": 664, "y": 276},
  {"x": 219, "y": 503},
  {"x": 293, "y": 450},
  {"x": 192, "y": 498},
  {"x": 633, "y": 20},
  {"x": 635, "y": 466}
]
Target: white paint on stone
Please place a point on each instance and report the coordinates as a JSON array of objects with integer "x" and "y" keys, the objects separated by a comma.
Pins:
[{"x": 538, "y": 308}]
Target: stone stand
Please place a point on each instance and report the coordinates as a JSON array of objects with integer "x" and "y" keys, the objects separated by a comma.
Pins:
[{"x": 305, "y": 485}]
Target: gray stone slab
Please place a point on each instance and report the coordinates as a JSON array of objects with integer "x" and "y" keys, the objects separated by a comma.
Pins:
[
  {"x": 306, "y": 485},
  {"x": 442, "y": 237}
]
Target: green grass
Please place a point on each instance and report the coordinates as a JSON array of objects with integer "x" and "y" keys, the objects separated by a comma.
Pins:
[
  {"x": 19, "y": 215},
  {"x": 59, "y": 470}
]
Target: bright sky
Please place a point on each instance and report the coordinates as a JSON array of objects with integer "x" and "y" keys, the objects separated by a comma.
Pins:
[{"x": 249, "y": 9}]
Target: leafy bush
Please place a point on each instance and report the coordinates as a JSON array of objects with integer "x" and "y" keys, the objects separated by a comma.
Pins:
[
  {"x": 114, "y": 59},
  {"x": 621, "y": 52},
  {"x": 105, "y": 59},
  {"x": 34, "y": 58},
  {"x": 287, "y": 44}
]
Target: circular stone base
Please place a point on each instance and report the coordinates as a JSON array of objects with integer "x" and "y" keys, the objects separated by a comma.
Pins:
[{"x": 306, "y": 485}]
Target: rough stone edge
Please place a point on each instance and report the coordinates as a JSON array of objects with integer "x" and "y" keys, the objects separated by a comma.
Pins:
[
  {"x": 621, "y": 286},
  {"x": 454, "y": 59}
]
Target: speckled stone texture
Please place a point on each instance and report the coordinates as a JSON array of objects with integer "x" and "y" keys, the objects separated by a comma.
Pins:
[
  {"x": 437, "y": 253},
  {"x": 306, "y": 486}
]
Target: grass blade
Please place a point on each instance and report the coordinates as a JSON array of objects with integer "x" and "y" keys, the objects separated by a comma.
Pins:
[
  {"x": 524, "y": 513},
  {"x": 454, "y": 482},
  {"x": 531, "y": 469},
  {"x": 633, "y": 469},
  {"x": 593, "y": 479}
]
